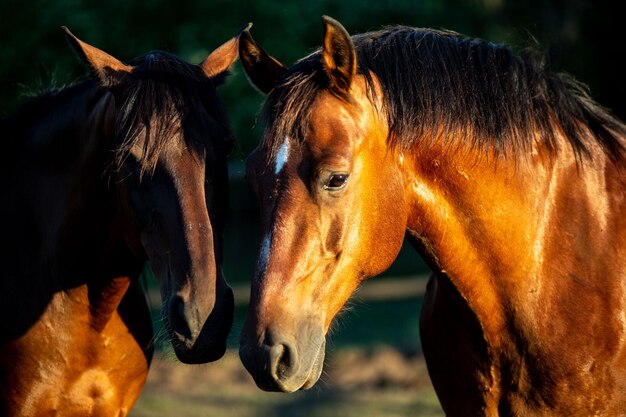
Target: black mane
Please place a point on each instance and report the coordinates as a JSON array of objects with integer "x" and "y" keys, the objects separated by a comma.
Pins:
[{"x": 440, "y": 85}]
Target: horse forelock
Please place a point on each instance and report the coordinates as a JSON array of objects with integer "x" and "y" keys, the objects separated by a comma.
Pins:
[
  {"x": 440, "y": 87},
  {"x": 163, "y": 95}
]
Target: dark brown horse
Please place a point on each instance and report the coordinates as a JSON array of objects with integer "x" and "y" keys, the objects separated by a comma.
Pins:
[
  {"x": 98, "y": 178},
  {"x": 509, "y": 180}
]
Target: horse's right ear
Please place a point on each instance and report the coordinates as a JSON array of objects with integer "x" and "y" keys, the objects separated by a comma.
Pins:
[
  {"x": 107, "y": 69},
  {"x": 262, "y": 69}
]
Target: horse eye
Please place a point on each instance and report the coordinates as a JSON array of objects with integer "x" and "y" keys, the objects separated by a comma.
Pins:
[{"x": 336, "y": 181}]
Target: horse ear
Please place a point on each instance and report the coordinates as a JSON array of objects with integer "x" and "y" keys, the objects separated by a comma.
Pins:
[
  {"x": 338, "y": 55},
  {"x": 262, "y": 69},
  {"x": 107, "y": 69},
  {"x": 218, "y": 63}
]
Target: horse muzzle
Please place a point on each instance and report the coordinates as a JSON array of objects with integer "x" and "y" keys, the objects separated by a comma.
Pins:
[
  {"x": 197, "y": 337},
  {"x": 282, "y": 363}
]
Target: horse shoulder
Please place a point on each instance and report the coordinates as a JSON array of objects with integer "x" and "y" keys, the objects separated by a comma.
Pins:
[{"x": 76, "y": 363}]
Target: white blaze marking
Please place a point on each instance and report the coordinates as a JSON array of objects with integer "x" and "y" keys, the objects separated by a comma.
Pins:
[{"x": 282, "y": 155}]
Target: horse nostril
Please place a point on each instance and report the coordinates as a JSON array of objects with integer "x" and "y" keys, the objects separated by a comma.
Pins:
[
  {"x": 281, "y": 361},
  {"x": 177, "y": 318}
]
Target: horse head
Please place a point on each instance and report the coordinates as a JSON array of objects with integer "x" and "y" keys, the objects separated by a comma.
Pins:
[
  {"x": 169, "y": 143},
  {"x": 323, "y": 174}
]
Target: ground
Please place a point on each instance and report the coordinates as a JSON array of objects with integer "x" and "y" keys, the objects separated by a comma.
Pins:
[{"x": 379, "y": 382}]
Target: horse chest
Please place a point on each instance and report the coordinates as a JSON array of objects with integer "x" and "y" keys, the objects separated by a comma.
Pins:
[{"x": 63, "y": 365}]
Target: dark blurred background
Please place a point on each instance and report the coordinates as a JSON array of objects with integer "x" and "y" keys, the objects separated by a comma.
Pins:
[{"x": 581, "y": 37}]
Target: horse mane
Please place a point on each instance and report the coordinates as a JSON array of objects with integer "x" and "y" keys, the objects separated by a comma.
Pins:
[
  {"x": 440, "y": 86},
  {"x": 162, "y": 95},
  {"x": 164, "y": 85},
  {"x": 41, "y": 103}
]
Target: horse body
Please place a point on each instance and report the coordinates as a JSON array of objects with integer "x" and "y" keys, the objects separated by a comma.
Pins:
[
  {"x": 78, "y": 361},
  {"x": 514, "y": 198},
  {"x": 103, "y": 176}
]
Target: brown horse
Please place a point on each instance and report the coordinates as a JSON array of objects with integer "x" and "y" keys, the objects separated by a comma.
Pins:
[
  {"x": 508, "y": 179},
  {"x": 97, "y": 178}
]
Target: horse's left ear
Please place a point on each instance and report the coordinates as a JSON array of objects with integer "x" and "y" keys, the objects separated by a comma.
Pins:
[
  {"x": 107, "y": 69},
  {"x": 338, "y": 55},
  {"x": 218, "y": 63}
]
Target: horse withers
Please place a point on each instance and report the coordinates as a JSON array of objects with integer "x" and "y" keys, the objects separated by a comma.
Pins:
[
  {"x": 508, "y": 179},
  {"x": 99, "y": 177}
]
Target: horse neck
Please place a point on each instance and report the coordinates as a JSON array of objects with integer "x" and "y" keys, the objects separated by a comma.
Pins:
[
  {"x": 61, "y": 190},
  {"x": 502, "y": 230}
]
